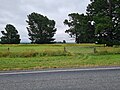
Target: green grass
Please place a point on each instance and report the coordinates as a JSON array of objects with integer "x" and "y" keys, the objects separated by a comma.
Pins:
[{"x": 24, "y": 57}]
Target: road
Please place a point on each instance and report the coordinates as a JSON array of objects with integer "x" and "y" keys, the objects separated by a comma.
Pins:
[{"x": 75, "y": 79}]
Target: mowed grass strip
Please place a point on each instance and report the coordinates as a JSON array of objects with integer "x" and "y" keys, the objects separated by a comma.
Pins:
[
  {"x": 59, "y": 62},
  {"x": 75, "y": 56}
]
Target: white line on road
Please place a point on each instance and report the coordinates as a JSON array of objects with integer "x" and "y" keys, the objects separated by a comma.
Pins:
[{"x": 64, "y": 70}]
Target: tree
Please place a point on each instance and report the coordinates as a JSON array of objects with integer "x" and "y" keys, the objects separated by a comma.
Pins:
[
  {"x": 41, "y": 30},
  {"x": 80, "y": 28},
  {"x": 11, "y": 35},
  {"x": 64, "y": 41},
  {"x": 106, "y": 15}
]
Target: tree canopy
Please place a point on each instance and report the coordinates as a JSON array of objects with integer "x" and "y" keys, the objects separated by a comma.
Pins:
[
  {"x": 80, "y": 28},
  {"x": 10, "y": 36},
  {"x": 100, "y": 24},
  {"x": 41, "y": 30},
  {"x": 106, "y": 15}
]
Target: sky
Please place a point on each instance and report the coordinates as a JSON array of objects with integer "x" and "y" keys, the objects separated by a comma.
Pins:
[{"x": 15, "y": 12}]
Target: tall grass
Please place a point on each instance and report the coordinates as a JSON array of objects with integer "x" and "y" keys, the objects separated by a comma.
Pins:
[
  {"x": 34, "y": 53},
  {"x": 35, "y": 50}
]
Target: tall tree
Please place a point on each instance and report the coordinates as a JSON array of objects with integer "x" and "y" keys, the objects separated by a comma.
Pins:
[
  {"x": 80, "y": 28},
  {"x": 106, "y": 15},
  {"x": 41, "y": 30},
  {"x": 11, "y": 35}
]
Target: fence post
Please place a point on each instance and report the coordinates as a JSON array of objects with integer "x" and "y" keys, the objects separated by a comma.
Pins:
[
  {"x": 95, "y": 50},
  {"x": 65, "y": 49},
  {"x": 8, "y": 49}
]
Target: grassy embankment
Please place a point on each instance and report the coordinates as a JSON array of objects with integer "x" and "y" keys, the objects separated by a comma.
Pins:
[{"x": 23, "y": 57}]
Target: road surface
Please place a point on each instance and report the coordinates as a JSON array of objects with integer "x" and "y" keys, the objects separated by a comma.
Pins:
[{"x": 71, "y": 79}]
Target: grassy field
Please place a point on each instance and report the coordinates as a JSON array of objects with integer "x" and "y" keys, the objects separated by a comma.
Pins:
[{"x": 30, "y": 56}]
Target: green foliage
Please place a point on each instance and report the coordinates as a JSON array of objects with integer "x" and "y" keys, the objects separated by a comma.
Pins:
[
  {"x": 41, "y": 30},
  {"x": 106, "y": 15},
  {"x": 11, "y": 35},
  {"x": 80, "y": 28},
  {"x": 101, "y": 24}
]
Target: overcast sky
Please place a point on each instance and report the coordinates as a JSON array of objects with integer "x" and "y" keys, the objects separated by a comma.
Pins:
[{"x": 15, "y": 12}]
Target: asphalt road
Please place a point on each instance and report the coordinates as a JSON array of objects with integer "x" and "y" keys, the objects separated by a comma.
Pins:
[{"x": 108, "y": 79}]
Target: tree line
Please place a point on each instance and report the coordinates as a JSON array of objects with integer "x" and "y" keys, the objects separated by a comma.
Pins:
[{"x": 100, "y": 24}]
